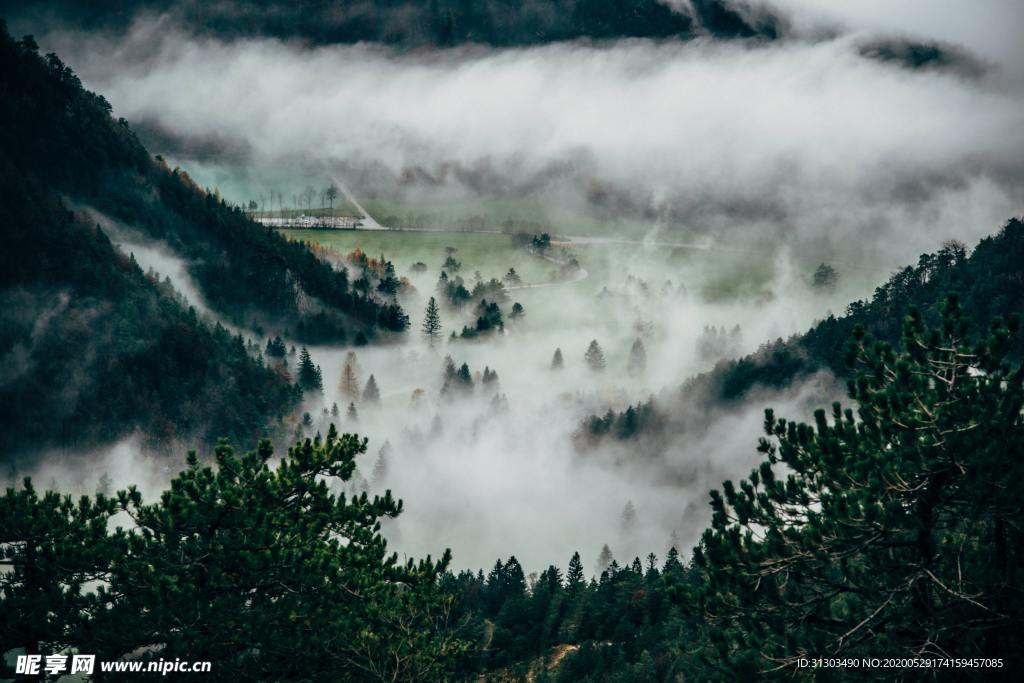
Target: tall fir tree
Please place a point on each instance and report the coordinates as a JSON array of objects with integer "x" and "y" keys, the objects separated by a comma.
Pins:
[
  {"x": 432, "y": 322},
  {"x": 557, "y": 363},
  {"x": 575, "y": 578},
  {"x": 371, "y": 394},
  {"x": 310, "y": 378}
]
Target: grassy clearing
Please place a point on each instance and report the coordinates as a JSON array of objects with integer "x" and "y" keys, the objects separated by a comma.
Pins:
[
  {"x": 492, "y": 255},
  {"x": 715, "y": 276},
  {"x": 523, "y": 215}
]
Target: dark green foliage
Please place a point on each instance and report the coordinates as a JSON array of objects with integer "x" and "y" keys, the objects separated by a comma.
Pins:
[
  {"x": 276, "y": 348},
  {"x": 432, "y": 322},
  {"x": 457, "y": 381},
  {"x": 310, "y": 378},
  {"x": 490, "y": 317},
  {"x": 621, "y": 624},
  {"x": 275, "y": 577},
  {"x": 51, "y": 546},
  {"x": 641, "y": 419},
  {"x": 389, "y": 283},
  {"x": 541, "y": 242},
  {"x": 896, "y": 530},
  {"x": 517, "y": 311},
  {"x": 453, "y": 290}
]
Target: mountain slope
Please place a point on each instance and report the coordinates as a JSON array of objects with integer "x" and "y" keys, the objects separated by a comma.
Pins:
[
  {"x": 59, "y": 133},
  {"x": 989, "y": 282},
  {"x": 93, "y": 349}
]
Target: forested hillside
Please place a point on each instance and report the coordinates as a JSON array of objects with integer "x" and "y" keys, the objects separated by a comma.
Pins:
[
  {"x": 92, "y": 348},
  {"x": 989, "y": 281},
  {"x": 63, "y": 138}
]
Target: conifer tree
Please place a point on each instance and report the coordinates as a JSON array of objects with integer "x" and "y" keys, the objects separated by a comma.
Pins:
[
  {"x": 556, "y": 360},
  {"x": 432, "y": 322},
  {"x": 595, "y": 356},
  {"x": 248, "y": 556},
  {"x": 371, "y": 394},
  {"x": 512, "y": 278},
  {"x": 310, "y": 378},
  {"x": 53, "y": 546},
  {"x": 352, "y": 414},
  {"x": 574, "y": 578},
  {"x": 895, "y": 530}
]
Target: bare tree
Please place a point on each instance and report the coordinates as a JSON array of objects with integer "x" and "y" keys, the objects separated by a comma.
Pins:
[{"x": 332, "y": 193}]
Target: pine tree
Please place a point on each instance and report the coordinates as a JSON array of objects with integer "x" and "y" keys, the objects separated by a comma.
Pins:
[
  {"x": 432, "y": 322},
  {"x": 310, "y": 378},
  {"x": 605, "y": 558},
  {"x": 512, "y": 278},
  {"x": 637, "y": 358},
  {"x": 595, "y": 356},
  {"x": 352, "y": 414},
  {"x": 890, "y": 531},
  {"x": 556, "y": 360},
  {"x": 248, "y": 555},
  {"x": 672, "y": 562},
  {"x": 574, "y": 578},
  {"x": 371, "y": 394},
  {"x": 517, "y": 311}
]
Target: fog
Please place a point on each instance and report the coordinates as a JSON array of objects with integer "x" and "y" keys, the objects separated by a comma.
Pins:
[
  {"x": 768, "y": 157},
  {"x": 804, "y": 141},
  {"x": 513, "y": 480}
]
